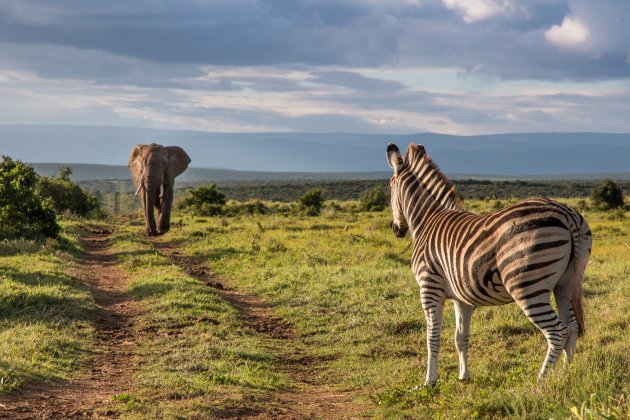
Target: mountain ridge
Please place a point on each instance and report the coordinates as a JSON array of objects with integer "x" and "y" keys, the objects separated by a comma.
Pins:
[
  {"x": 97, "y": 172},
  {"x": 511, "y": 155}
]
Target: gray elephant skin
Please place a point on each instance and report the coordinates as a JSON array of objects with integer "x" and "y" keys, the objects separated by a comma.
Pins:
[{"x": 153, "y": 170}]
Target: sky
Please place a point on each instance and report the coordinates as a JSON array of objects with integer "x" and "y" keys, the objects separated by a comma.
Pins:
[{"x": 365, "y": 66}]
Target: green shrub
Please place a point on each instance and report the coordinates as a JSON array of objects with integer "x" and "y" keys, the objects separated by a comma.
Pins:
[
  {"x": 66, "y": 196},
  {"x": 374, "y": 199},
  {"x": 311, "y": 203},
  {"x": 23, "y": 213},
  {"x": 607, "y": 195},
  {"x": 234, "y": 208},
  {"x": 205, "y": 200}
]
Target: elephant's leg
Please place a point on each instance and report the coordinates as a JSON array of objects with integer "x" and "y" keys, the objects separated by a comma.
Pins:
[
  {"x": 149, "y": 203},
  {"x": 147, "y": 210},
  {"x": 164, "y": 221}
]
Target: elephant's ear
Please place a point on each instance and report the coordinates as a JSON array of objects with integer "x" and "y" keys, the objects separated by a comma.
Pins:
[
  {"x": 178, "y": 161},
  {"x": 135, "y": 166}
]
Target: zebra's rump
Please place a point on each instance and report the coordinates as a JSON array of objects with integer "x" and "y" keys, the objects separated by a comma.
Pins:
[{"x": 515, "y": 253}]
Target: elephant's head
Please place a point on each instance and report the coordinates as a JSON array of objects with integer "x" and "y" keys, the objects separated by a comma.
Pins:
[{"x": 153, "y": 170}]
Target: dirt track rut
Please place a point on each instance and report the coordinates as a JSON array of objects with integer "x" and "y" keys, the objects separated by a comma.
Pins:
[
  {"x": 108, "y": 371},
  {"x": 306, "y": 398}
]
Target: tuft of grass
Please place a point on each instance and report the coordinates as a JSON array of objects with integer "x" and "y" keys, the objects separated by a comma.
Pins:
[{"x": 597, "y": 408}]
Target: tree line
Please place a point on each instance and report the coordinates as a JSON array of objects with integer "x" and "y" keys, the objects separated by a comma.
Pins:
[{"x": 30, "y": 204}]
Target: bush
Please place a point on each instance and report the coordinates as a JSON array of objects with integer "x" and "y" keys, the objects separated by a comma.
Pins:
[
  {"x": 311, "y": 203},
  {"x": 607, "y": 195},
  {"x": 234, "y": 208},
  {"x": 66, "y": 196},
  {"x": 375, "y": 199},
  {"x": 23, "y": 213},
  {"x": 205, "y": 200}
]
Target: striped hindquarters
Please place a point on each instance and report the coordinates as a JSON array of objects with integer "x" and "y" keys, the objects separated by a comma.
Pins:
[{"x": 516, "y": 253}]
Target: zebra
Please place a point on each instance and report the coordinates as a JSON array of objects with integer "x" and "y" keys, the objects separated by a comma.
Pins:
[{"x": 521, "y": 253}]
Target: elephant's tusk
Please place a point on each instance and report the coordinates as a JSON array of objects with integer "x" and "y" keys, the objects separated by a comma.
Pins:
[
  {"x": 161, "y": 191},
  {"x": 138, "y": 190}
]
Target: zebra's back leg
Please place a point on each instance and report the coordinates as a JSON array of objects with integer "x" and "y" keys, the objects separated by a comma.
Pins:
[
  {"x": 463, "y": 314},
  {"x": 433, "y": 309},
  {"x": 562, "y": 293},
  {"x": 539, "y": 311}
]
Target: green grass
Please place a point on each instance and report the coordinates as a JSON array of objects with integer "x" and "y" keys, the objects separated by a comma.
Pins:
[
  {"x": 45, "y": 314},
  {"x": 344, "y": 282},
  {"x": 195, "y": 356}
]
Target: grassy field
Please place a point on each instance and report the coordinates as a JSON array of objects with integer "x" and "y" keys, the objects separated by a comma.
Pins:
[
  {"x": 46, "y": 314},
  {"x": 343, "y": 281}
]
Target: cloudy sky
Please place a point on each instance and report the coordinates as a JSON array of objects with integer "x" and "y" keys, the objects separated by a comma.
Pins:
[{"x": 370, "y": 66}]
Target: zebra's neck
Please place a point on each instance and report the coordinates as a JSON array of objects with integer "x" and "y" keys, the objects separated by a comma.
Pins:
[{"x": 426, "y": 190}]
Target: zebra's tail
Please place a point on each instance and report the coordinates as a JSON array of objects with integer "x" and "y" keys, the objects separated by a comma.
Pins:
[{"x": 582, "y": 241}]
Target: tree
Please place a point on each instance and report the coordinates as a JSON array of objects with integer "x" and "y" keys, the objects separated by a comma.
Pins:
[
  {"x": 66, "y": 196},
  {"x": 23, "y": 213},
  {"x": 205, "y": 200},
  {"x": 311, "y": 203},
  {"x": 375, "y": 199},
  {"x": 607, "y": 195}
]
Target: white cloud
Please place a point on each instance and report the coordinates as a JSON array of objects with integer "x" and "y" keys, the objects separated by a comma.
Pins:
[
  {"x": 595, "y": 29},
  {"x": 477, "y": 10},
  {"x": 571, "y": 33}
]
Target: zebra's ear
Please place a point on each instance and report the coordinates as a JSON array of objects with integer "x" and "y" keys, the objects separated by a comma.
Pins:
[{"x": 394, "y": 158}]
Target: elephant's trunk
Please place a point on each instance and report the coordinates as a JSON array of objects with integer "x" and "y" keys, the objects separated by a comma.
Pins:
[{"x": 149, "y": 203}]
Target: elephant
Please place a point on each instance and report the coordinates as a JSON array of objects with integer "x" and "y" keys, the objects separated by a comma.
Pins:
[{"x": 153, "y": 170}]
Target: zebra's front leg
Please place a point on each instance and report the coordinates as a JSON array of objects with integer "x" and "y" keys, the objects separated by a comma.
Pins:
[
  {"x": 433, "y": 312},
  {"x": 463, "y": 314}
]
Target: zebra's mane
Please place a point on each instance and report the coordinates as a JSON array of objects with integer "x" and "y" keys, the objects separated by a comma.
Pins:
[{"x": 431, "y": 178}]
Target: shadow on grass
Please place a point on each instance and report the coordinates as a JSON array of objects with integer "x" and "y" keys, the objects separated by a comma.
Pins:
[
  {"x": 67, "y": 245},
  {"x": 150, "y": 290},
  {"x": 11, "y": 248},
  {"x": 406, "y": 327},
  {"x": 29, "y": 247},
  {"x": 48, "y": 298},
  {"x": 397, "y": 258},
  {"x": 514, "y": 330}
]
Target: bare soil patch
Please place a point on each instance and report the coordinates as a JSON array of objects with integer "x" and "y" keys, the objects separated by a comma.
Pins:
[
  {"x": 108, "y": 372},
  {"x": 306, "y": 398}
]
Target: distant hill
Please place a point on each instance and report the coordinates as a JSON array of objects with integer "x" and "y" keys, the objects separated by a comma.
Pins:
[
  {"x": 89, "y": 172},
  {"x": 519, "y": 155}
]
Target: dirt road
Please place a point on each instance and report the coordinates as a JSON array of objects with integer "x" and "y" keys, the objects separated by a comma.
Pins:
[{"x": 109, "y": 370}]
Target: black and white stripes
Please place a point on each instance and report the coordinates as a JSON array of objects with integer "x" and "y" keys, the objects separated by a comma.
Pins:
[{"x": 521, "y": 253}]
